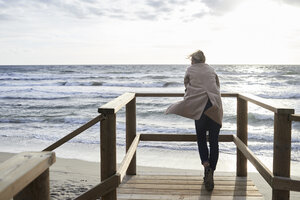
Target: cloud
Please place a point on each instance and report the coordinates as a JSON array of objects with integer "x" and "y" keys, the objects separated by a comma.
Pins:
[
  {"x": 5, "y": 17},
  {"x": 146, "y": 16},
  {"x": 199, "y": 14},
  {"x": 120, "y": 9},
  {"x": 77, "y": 8},
  {"x": 220, "y": 7},
  {"x": 156, "y": 3},
  {"x": 98, "y": 9},
  {"x": 291, "y": 2},
  {"x": 117, "y": 9}
]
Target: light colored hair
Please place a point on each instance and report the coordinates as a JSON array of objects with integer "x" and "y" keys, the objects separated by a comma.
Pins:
[{"x": 197, "y": 57}]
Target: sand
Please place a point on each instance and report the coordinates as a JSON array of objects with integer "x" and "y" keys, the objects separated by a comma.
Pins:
[{"x": 71, "y": 177}]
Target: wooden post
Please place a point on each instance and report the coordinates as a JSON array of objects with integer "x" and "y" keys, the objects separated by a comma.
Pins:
[
  {"x": 242, "y": 134},
  {"x": 131, "y": 132},
  {"x": 281, "y": 151},
  {"x": 38, "y": 189},
  {"x": 108, "y": 151}
]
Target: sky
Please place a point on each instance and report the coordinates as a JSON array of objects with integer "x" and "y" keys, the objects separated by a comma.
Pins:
[{"x": 149, "y": 31}]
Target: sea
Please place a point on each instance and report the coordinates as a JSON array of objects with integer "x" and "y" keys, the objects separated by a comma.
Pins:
[{"x": 41, "y": 104}]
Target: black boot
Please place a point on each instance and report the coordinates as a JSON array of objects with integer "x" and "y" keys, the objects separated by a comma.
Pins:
[{"x": 209, "y": 178}]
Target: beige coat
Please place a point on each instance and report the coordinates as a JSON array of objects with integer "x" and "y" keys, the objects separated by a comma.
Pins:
[{"x": 201, "y": 83}]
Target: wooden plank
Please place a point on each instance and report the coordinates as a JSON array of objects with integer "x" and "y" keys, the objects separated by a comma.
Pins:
[
  {"x": 108, "y": 151},
  {"x": 17, "y": 172},
  {"x": 281, "y": 151},
  {"x": 242, "y": 134},
  {"x": 187, "y": 182},
  {"x": 200, "y": 192},
  {"x": 229, "y": 94},
  {"x": 184, "y": 177},
  {"x": 295, "y": 117},
  {"x": 128, "y": 157},
  {"x": 183, "y": 197},
  {"x": 159, "y": 94},
  {"x": 177, "y": 94},
  {"x": 74, "y": 133},
  {"x": 115, "y": 105},
  {"x": 101, "y": 189},
  {"x": 131, "y": 133},
  {"x": 180, "y": 137},
  {"x": 261, "y": 168},
  {"x": 187, "y": 187},
  {"x": 39, "y": 188},
  {"x": 284, "y": 183},
  {"x": 267, "y": 105}
]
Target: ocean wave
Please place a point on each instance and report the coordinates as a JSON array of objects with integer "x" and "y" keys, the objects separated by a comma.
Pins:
[
  {"x": 88, "y": 83},
  {"x": 33, "y": 98},
  {"x": 27, "y": 79},
  {"x": 172, "y": 84},
  {"x": 67, "y": 71},
  {"x": 66, "y": 120},
  {"x": 146, "y": 105},
  {"x": 20, "y": 121},
  {"x": 255, "y": 117},
  {"x": 60, "y": 107},
  {"x": 160, "y": 77},
  {"x": 144, "y": 85},
  {"x": 135, "y": 85},
  {"x": 170, "y": 146},
  {"x": 293, "y": 81},
  {"x": 291, "y": 95}
]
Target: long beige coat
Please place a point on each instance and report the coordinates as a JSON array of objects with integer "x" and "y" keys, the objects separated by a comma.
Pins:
[{"x": 201, "y": 83}]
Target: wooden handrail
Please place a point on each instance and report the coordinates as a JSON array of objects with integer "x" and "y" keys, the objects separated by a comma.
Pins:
[
  {"x": 23, "y": 173},
  {"x": 264, "y": 104},
  {"x": 261, "y": 168},
  {"x": 141, "y": 94},
  {"x": 176, "y": 94},
  {"x": 113, "y": 177},
  {"x": 284, "y": 183},
  {"x": 34, "y": 167},
  {"x": 179, "y": 137},
  {"x": 74, "y": 133},
  {"x": 115, "y": 105},
  {"x": 128, "y": 157},
  {"x": 295, "y": 117},
  {"x": 101, "y": 189}
]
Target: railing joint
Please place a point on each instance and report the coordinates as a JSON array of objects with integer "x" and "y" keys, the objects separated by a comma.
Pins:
[
  {"x": 290, "y": 118},
  {"x": 102, "y": 117}
]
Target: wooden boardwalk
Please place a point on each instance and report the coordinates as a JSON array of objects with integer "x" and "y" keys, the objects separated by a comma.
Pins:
[{"x": 146, "y": 187}]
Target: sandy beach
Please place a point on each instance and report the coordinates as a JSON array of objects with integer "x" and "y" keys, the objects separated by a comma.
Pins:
[{"x": 71, "y": 177}]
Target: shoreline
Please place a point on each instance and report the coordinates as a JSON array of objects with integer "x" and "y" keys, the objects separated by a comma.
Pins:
[{"x": 71, "y": 177}]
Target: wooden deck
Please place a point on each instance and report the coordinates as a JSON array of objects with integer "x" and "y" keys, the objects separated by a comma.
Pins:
[{"x": 146, "y": 187}]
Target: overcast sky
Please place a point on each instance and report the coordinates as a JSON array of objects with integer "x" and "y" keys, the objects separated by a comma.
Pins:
[{"x": 149, "y": 31}]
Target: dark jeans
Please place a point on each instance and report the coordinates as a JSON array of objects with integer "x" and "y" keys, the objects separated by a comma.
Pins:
[{"x": 203, "y": 125}]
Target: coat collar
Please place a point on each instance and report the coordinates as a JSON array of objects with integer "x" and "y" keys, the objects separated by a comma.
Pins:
[{"x": 199, "y": 65}]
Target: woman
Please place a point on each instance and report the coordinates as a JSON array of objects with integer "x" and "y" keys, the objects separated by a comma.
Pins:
[{"x": 202, "y": 102}]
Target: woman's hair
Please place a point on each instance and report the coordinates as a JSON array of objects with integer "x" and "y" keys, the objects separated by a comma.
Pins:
[{"x": 197, "y": 57}]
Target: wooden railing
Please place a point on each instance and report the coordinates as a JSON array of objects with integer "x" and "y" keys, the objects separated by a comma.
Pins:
[
  {"x": 279, "y": 179},
  {"x": 111, "y": 177},
  {"x": 26, "y": 176}
]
